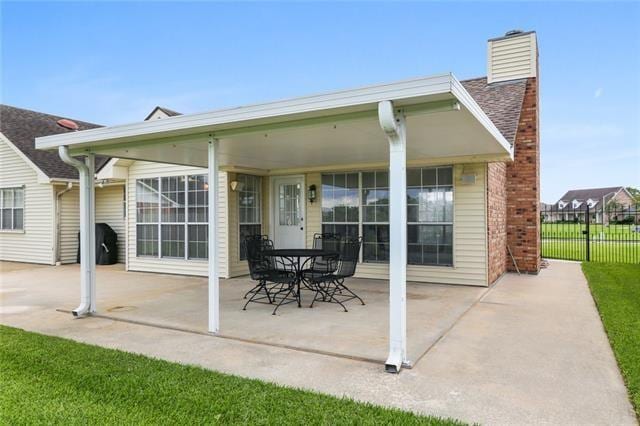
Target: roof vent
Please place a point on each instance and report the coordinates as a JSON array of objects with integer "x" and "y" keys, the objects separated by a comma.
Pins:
[
  {"x": 67, "y": 124},
  {"x": 512, "y": 33}
]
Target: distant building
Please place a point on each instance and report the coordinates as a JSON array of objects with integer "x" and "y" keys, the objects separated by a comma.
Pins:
[{"x": 572, "y": 206}]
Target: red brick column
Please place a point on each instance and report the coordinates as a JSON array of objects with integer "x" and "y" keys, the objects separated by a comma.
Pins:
[
  {"x": 523, "y": 187},
  {"x": 497, "y": 219}
]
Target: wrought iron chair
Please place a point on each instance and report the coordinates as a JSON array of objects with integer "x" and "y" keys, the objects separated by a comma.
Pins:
[
  {"x": 330, "y": 286},
  {"x": 276, "y": 280},
  {"x": 325, "y": 241}
]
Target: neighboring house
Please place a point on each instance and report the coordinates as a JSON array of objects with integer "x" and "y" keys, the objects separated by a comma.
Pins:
[
  {"x": 604, "y": 204},
  {"x": 39, "y": 197},
  {"x": 463, "y": 209}
]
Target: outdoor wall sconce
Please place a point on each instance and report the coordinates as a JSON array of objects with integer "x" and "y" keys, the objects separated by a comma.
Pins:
[
  {"x": 312, "y": 194},
  {"x": 236, "y": 186}
]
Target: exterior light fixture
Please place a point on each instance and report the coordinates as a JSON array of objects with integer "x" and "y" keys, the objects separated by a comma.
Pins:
[
  {"x": 311, "y": 195},
  {"x": 236, "y": 186}
]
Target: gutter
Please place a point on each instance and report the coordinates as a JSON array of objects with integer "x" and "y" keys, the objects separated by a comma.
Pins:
[
  {"x": 58, "y": 222},
  {"x": 87, "y": 231}
]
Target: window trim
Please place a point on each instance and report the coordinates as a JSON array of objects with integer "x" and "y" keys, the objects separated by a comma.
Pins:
[
  {"x": 185, "y": 223},
  {"x": 12, "y": 229},
  {"x": 361, "y": 222}
]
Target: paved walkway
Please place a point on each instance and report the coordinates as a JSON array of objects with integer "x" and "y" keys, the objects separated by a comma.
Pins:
[{"x": 531, "y": 351}]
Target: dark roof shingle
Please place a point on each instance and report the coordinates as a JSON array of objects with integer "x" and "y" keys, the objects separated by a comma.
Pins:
[
  {"x": 502, "y": 102},
  {"x": 23, "y": 126},
  {"x": 593, "y": 193}
]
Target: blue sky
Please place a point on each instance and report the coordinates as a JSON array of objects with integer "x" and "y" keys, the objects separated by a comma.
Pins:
[{"x": 111, "y": 63}]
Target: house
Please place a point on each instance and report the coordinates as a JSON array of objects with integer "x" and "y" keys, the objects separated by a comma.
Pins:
[
  {"x": 439, "y": 176},
  {"x": 39, "y": 193},
  {"x": 572, "y": 206}
]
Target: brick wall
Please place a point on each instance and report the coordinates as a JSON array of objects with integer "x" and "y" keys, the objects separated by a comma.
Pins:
[
  {"x": 497, "y": 219},
  {"x": 523, "y": 187}
]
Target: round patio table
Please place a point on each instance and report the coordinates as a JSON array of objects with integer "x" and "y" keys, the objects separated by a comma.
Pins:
[{"x": 294, "y": 258}]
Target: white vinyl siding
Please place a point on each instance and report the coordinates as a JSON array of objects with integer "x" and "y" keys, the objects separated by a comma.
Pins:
[
  {"x": 34, "y": 243},
  {"x": 469, "y": 235},
  {"x": 69, "y": 223},
  {"x": 512, "y": 58},
  {"x": 110, "y": 209},
  {"x": 142, "y": 170}
]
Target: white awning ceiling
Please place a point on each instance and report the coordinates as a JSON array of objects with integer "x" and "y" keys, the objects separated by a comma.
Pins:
[{"x": 341, "y": 128}]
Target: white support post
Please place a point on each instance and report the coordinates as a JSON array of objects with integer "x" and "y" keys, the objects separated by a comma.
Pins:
[
  {"x": 90, "y": 161},
  {"x": 214, "y": 287},
  {"x": 393, "y": 124},
  {"x": 86, "y": 171}
]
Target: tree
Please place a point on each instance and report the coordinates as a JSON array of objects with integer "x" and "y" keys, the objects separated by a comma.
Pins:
[{"x": 635, "y": 193}]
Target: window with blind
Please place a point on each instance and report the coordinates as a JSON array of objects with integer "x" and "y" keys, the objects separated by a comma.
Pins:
[
  {"x": 249, "y": 207},
  {"x": 340, "y": 204},
  {"x": 12, "y": 209},
  {"x": 172, "y": 216},
  {"x": 358, "y": 204},
  {"x": 430, "y": 216}
]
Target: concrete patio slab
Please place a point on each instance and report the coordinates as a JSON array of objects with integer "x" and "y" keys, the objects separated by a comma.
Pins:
[
  {"x": 532, "y": 350},
  {"x": 181, "y": 302}
]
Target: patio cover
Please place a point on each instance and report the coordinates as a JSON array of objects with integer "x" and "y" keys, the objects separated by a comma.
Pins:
[{"x": 410, "y": 122}]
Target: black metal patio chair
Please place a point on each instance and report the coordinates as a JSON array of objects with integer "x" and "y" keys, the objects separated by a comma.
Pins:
[
  {"x": 275, "y": 278},
  {"x": 328, "y": 280}
]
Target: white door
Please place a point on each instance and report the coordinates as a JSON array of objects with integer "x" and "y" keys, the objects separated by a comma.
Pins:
[{"x": 288, "y": 212}]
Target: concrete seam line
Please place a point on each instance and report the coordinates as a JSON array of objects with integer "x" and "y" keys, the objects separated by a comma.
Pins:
[
  {"x": 448, "y": 329},
  {"x": 237, "y": 339}
]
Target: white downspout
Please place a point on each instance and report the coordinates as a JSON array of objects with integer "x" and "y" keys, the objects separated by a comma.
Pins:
[
  {"x": 87, "y": 230},
  {"x": 394, "y": 126},
  {"x": 59, "y": 195}
]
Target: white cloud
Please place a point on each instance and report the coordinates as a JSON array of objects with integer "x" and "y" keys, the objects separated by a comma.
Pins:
[{"x": 599, "y": 91}]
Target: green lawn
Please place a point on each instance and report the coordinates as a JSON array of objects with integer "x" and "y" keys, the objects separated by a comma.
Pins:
[
  {"x": 616, "y": 291},
  {"x": 48, "y": 380}
]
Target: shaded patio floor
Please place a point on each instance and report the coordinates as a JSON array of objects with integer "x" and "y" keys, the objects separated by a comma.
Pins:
[{"x": 181, "y": 302}]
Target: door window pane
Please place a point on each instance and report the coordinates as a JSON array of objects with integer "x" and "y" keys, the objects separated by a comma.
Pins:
[{"x": 289, "y": 204}]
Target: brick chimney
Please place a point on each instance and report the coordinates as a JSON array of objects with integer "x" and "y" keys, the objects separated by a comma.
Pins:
[{"x": 516, "y": 184}]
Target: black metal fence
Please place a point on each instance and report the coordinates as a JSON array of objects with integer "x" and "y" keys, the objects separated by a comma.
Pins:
[{"x": 585, "y": 233}]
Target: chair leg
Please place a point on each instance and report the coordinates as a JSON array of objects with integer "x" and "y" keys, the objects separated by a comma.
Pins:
[
  {"x": 261, "y": 286},
  {"x": 292, "y": 288},
  {"x": 348, "y": 290}
]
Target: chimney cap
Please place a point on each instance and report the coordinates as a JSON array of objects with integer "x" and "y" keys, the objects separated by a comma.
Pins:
[{"x": 512, "y": 33}]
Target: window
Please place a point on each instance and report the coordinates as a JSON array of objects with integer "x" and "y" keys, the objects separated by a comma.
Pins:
[
  {"x": 358, "y": 204},
  {"x": 171, "y": 217},
  {"x": 198, "y": 217},
  {"x": 375, "y": 216},
  {"x": 249, "y": 205},
  {"x": 12, "y": 208},
  {"x": 340, "y": 204},
  {"x": 430, "y": 216},
  {"x": 147, "y": 214}
]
